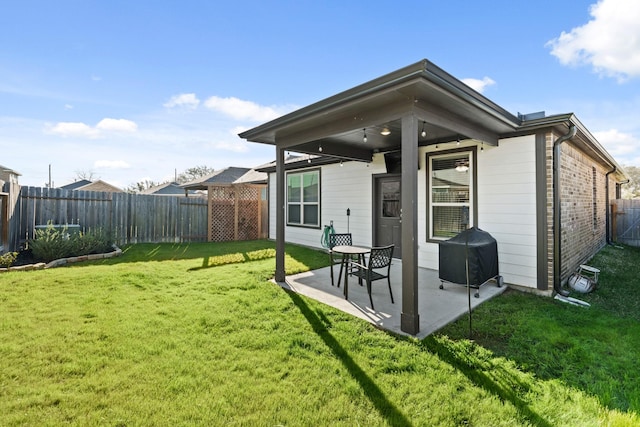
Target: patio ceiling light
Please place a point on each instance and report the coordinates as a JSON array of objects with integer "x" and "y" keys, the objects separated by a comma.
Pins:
[
  {"x": 462, "y": 166},
  {"x": 424, "y": 132},
  {"x": 385, "y": 131},
  {"x": 364, "y": 138}
]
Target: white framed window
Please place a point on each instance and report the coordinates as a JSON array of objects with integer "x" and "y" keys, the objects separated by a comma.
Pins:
[
  {"x": 451, "y": 193},
  {"x": 303, "y": 198}
]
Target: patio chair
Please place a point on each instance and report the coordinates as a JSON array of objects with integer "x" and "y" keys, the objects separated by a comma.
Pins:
[
  {"x": 379, "y": 259},
  {"x": 338, "y": 239}
]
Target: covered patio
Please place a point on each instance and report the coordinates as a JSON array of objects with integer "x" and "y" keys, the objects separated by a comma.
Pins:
[
  {"x": 419, "y": 105},
  {"x": 439, "y": 307}
]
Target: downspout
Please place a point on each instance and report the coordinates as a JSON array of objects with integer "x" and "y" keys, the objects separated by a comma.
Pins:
[
  {"x": 557, "y": 231},
  {"x": 607, "y": 213}
]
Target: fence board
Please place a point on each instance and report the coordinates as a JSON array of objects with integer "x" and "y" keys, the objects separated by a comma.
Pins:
[
  {"x": 626, "y": 221},
  {"x": 129, "y": 218}
]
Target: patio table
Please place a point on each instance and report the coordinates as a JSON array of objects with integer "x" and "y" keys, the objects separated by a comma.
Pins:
[{"x": 347, "y": 253}]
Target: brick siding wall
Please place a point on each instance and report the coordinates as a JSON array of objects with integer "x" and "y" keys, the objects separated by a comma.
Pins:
[{"x": 583, "y": 209}]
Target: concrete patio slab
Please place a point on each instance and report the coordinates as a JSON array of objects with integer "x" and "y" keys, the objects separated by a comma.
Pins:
[{"x": 437, "y": 307}]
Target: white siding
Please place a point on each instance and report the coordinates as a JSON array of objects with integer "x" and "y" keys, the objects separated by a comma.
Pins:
[
  {"x": 342, "y": 187},
  {"x": 507, "y": 206}
]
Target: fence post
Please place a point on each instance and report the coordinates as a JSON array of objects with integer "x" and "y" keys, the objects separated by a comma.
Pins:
[{"x": 235, "y": 215}]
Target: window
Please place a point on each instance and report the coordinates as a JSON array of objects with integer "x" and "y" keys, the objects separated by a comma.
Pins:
[
  {"x": 450, "y": 194},
  {"x": 303, "y": 198},
  {"x": 390, "y": 199}
]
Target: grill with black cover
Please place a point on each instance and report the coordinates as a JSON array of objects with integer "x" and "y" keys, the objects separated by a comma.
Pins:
[{"x": 482, "y": 250}]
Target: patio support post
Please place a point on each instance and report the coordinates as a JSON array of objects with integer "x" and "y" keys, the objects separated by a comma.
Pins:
[
  {"x": 280, "y": 205},
  {"x": 409, "y": 318}
]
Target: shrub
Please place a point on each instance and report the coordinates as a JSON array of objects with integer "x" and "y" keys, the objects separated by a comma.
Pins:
[
  {"x": 54, "y": 243},
  {"x": 7, "y": 259}
]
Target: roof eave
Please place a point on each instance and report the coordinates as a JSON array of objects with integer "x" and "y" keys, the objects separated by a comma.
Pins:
[{"x": 423, "y": 69}]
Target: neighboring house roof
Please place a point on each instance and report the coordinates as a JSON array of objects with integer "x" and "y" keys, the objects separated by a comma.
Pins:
[
  {"x": 252, "y": 177},
  {"x": 76, "y": 184},
  {"x": 220, "y": 177},
  {"x": 4, "y": 169},
  {"x": 167, "y": 189},
  {"x": 86, "y": 185},
  {"x": 8, "y": 175}
]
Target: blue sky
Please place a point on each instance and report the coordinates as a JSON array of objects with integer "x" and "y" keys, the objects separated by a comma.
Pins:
[{"x": 134, "y": 90}]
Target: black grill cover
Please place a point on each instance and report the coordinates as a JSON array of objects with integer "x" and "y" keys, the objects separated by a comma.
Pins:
[{"x": 483, "y": 257}]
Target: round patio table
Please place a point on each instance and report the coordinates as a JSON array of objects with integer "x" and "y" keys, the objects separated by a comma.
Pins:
[{"x": 347, "y": 254}]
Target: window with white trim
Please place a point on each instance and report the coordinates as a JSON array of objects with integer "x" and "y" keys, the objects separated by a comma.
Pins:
[
  {"x": 303, "y": 198},
  {"x": 450, "y": 194}
]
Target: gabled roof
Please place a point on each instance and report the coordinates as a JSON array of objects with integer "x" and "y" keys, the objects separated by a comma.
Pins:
[
  {"x": 167, "y": 189},
  {"x": 76, "y": 184},
  {"x": 8, "y": 170},
  {"x": 98, "y": 185},
  {"x": 445, "y": 108},
  {"x": 423, "y": 88},
  {"x": 225, "y": 176}
]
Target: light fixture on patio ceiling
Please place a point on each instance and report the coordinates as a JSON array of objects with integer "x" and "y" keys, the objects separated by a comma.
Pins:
[
  {"x": 364, "y": 138},
  {"x": 385, "y": 131},
  {"x": 320, "y": 147},
  {"x": 424, "y": 132},
  {"x": 462, "y": 165},
  {"x": 458, "y": 142}
]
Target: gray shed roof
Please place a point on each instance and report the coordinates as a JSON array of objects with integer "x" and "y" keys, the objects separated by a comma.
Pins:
[
  {"x": 220, "y": 177},
  {"x": 75, "y": 185},
  {"x": 167, "y": 189}
]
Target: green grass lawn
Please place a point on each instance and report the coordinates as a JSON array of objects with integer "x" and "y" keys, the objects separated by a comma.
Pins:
[{"x": 196, "y": 334}]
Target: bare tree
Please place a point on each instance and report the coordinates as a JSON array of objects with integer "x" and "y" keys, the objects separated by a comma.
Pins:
[
  {"x": 193, "y": 173},
  {"x": 141, "y": 186},
  {"x": 89, "y": 175}
]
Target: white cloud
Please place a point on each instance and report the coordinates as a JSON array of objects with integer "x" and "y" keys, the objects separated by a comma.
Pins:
[
  {"x": 74, "y": 129},
  {"x": 238, "y": 129},
  {"x": 68, "y": 107},
  {"x": 82, "y": 130},
  {"x": 622, "y": 146},
  {"x": 479, "y": 85},
  {"x": 117, "y": 125},
  {"x": 184, "y": 100},
  {"x": 610, "y": 42},
  {"x": 111, "y": 164},
  {"x": 239, "y": 146},
  {"x": 244, "y": 110}
]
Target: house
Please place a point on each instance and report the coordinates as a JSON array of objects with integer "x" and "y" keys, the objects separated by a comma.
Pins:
[
  {"x": 8, "y": 175},
  {"x": 412, "y": 154},
  {"x": 169, "y": 189},
  {"x": 236, "y": 199},
  {"x": 86, "y": 185},
  {"x": 9, "y": 190}
]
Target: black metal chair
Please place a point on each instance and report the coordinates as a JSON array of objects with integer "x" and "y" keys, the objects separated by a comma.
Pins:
[
  {"x": 338, "y": 239},
  {"x": 379, "y": 259}
]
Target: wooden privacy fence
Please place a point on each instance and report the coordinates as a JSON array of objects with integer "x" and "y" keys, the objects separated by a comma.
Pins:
[
  {"x": 236, "y": 212},
  {"x": 625, "y": 221},
  {"x": 129, "y": 218}
]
